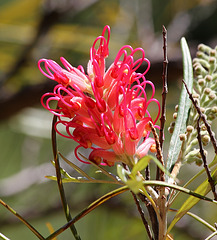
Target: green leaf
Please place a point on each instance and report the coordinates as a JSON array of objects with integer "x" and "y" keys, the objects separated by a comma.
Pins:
[
  {"x": 213, "y": 163},
  {"x": 140, "y": 165},
  {"x": 184, "y": 106},
  {"x": 135, "y": 184},
  {"x": 122, "y": 173},
  {"x": 79, "y": 170},
  {"x": 202, "y": 190}
]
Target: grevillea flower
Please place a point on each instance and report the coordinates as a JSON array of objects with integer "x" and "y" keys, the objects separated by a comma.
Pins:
[{"x": 103, "y": 110}]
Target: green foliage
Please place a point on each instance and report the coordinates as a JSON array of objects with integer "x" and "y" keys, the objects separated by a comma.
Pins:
[
  {"x": 184, "y": 106},
  {"x": 203, "y": 189}
]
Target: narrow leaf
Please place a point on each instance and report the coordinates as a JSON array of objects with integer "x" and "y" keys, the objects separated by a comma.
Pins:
[
  {"x": 122, "y": 173},
  {"x": 140, "y": 165},
  {"x": 184, "y": 106},
  {"x": 213, "y": 163},
  {"x": 195, "y": 194},
  {"x": 79, "y": 170},
  {"x": 203, "y": 190}
]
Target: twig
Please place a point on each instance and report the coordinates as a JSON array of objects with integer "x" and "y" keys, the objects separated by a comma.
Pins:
[
  {"x": 159, "y": 152},
  {"x": 208, "y": 172},
  {"x": 141, "y": 212},
  {"x": 164, "y": 93},
  {"x": 165, "y": 88},
  {"x": 162, "y": 198},
  {"x": 147, "y": 173},
  {"x": 152, "y": 215},
  {"x": 203, "y": 117},
  {"x": 59, "y": 180},
  {"x": 22, "y": 220}
]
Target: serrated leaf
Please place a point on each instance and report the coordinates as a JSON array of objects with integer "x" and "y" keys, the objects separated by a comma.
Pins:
[
  {"x": 202, "y": 190},
  {"x": 184, "y": 106}
]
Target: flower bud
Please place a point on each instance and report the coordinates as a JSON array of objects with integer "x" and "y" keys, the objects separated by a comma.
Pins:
[
  {"x": 200, "y": 54},
  {"x": 198, "y": 161},
  {"x": 203, "y": 127},
  {"x": 203, "y": 110},
  {"x": 170, "y": 130},
  {"x": 208, "y": 78},
  {"x": 192, "y": 156},
  {"x": 201, "y": 82},
  {"x": 171, "y": 127},
  {"x": 213, "y": 53},
  {"x": 183, "y": 137},
  {"x": 200, "y": 70},
  {"x": 207, "y": 91},
  {"x": 212, "y": 60},
  {"x": 212, "y": 96},
  {"x": 195, "y": 95},
  {"x": 190, "y": 129},
  {"x": 205, "y": 140},
  {"x": 211, "y": 117},
  {"x": 214, "y": 109},
  {"x": 175, "y": 115},
  {"x": 194, "y": 142}
]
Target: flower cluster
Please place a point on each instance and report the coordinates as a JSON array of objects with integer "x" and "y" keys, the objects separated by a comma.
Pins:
[
  {"x": 105, "y": 111},
  {"x": 204, "y": 93}
]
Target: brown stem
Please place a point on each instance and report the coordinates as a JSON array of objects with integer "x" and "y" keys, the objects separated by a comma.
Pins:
[
  {"x": 141, "y": 212},
  {"x": 162, "y": 200},
  {"x": 164, "y": 93},
  {"x": 152, "y": 215},
  {"x": 165, "y": 88},
  {"x": 208, "y": 172},
  {"x": 159, "y": 151}
]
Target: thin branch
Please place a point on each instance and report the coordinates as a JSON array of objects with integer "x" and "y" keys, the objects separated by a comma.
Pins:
[
  {"x": 162, "y": 200},
  {"x": 208, "y": 172},
  {"x": 203, "y": 117},
  {"x": 22, "y": 220},
  {"x": 152, "y": 215},
  {"x": 141, "y": 212},
  {"x": 165, "y": 88},
  {"x": 164, "y": 93},
  {"x": 159, "y": 152}
]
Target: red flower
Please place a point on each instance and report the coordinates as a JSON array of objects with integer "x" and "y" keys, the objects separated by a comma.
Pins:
[{"x": 106, "y": 111}]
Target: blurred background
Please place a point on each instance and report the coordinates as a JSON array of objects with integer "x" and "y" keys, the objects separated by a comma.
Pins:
[{"x": 30, "y": 30}]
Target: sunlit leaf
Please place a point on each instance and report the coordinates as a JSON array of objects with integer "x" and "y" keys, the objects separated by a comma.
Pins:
[{"x": 184, "y": 106}]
